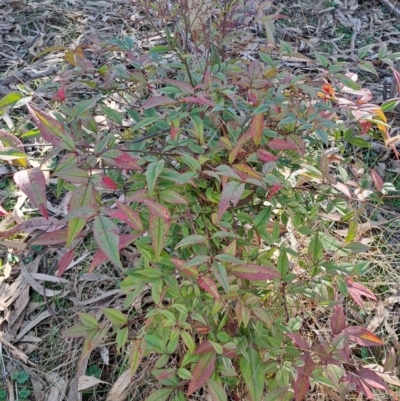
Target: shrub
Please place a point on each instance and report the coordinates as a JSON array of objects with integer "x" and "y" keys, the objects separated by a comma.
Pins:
[{"x": 225, "y": 178}]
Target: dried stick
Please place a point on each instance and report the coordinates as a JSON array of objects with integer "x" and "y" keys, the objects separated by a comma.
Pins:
[{"x": 393, "y": 9}]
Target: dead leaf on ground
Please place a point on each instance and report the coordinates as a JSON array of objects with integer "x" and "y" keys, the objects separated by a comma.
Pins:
[
  {"x": 85, "y": 382},
  {"x": 40, "y": 288},
  {"x": 119, "y": 390}
]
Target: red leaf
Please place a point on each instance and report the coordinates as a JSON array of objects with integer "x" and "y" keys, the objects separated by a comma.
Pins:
[
  {"x": 52, "y": 238},
  {"x": 204, "y": 348},
  {"x": 174, "y": 129},
  {"x": 266, "y": 157},
  {"x": 157, "y": 210},
  {"x": 158, "y": 101},
  {"x": 377, "y": 179},
  {"x": 33, "y": 184},
  {"x": 246, "y": 171},
  {"x": 207, "y": 284},
  {"x": 65, "y": 262},
  {"x": 3, "y": 212},
  {"x": 342, "y": 188},
  {"x": 302, "y": 383},
  {"x": 202, "y": 372},
  {"x": 100, "y": 257},
  {"x": 188, "y": 271},
  {"x": 372, "y": 379},
  {"x": 254, "y": 272},
  {"x": 185, "y": 86},
  {"x": 240, "y": 143},
  {"x": 338, "y": 320},
  {"x": 232, "y": 192},
  {"x": 35, "y": 223},
  {"x": 274, "y": 190},
  {"x": 59, "y": 96},
  {"x": 299, "y": 341},
  {"x": 362, "y": 336},
  {"x": 198, "y": 99},
  {"x": 357, "y": 290},
  {"x": 108, "y": 183},
  {"x": 324, "y": 354},
  {"x": 139, "y": 196},
  {"x": 396, "y": 76},
  {"x": 256, "y": 128},
  {"x": 120, "y": 159},
  {"x": 359, "y": 385},
  {"x": 281, "y": 144},
  {"x": 131, "y": 217},
  {"x": 51, "y": 129}
]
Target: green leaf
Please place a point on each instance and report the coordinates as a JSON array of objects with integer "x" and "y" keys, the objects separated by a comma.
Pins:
[
  {"x": 221, "y": 275},
  {"x": 112, "y": 114},
  {"x": 160, "y": 395},
  {"x": 154, "y": 343},
  {"x": 144, "y": 123},
  {"x": 345, "y": 80},
  {"x": 191, "y": 162},
  {"x": 315, "y": 248},
  {"x": 279, "y": 394},
  {"x": 184, "y": 374},
  {"x": 366, "y": 65},
  {"x": 88, "y": 321},
  {"x": 283, "y": 263},
  {"x": 196, "y": 261},
  {"x": 357, "y": 247},
  {"x": 262, "y": 219},
  {"x": 390, "y": 105},
  {"x": 169, "y": 196},
  {"x": 223, "y": 257},
  {"x": 106, "y": 235},
  {"x": 216, "y": 391},
  {"x": 253, "y": 375},
  {"x": 158, "y": 228},
  {"x": 79, "y": 330},
  {"x": 9, "y": 100},
  {"x": 323, "y": 135},
  {"x": 191, "y": 240},
  {"x": 198, "y": 130},
  {"x": 153, "y": 172},
  {"x": 363, "y": 51},
  {"x": 352, "y": 230},
  {"x": 359, "y": 142},
  {"x": 84, "y": 195},
  {"x": 9, "y": 153},
  {"x": 115, "y": 316},
  {"x": 188, "y": 341},
  {"x": 121, "y": 338},
  {"x": 73, "y": 175}
]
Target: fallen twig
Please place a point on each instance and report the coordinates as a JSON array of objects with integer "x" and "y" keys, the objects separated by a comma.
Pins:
[
  {"x": 24, "y": 76},
  {"x": 393, "y": 9}
]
